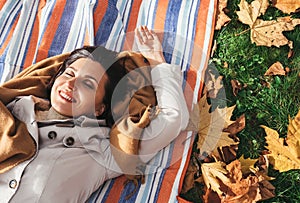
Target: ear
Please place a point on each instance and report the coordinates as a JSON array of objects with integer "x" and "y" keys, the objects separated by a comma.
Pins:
[{"x": 99, "y": 111}]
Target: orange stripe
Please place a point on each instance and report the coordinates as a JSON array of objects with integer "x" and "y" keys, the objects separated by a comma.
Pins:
[
  {"x": 99, "y": 13},
  {"x": 134, "y": 13},
  {"x": 171, "y": 172},
  {"x": 86, "y": 38},
  {"x": 2, "y": 4},
  {"x": 200, "y": 34},
  {"x": 159, "y": 22},
  {"x": 200, "y": 37},
  {"x": 34, "y": 36},
  {"x": 115, "y": 192},
  {"x": 50, "y": 30},
  {"x": 10, "y": 34}
]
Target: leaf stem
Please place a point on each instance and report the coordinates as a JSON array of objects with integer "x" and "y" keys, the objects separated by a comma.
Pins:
[{"x": 243, "y": 32}]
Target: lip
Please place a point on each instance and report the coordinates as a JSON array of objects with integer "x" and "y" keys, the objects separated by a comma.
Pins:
[{"x": 67, "y": 96}]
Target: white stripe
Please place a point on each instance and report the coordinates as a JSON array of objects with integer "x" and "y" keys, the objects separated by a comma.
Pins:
[
  {"x": 45, "y": 14},
  {"x": 8, "y": 16},
  {"x": 77, "y": 27},
  {"x": 208, "y": 31},
  {"x": 117, "y": 34},
  {"x": 19, "y": 40},
  {"x": 187, "y": 145}
]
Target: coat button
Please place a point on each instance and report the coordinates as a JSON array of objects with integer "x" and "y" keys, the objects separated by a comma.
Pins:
[
  {"x": 13, "y": 184},
  {"x": 70, "y": 141},
  {"x": 52, "y": 135}
]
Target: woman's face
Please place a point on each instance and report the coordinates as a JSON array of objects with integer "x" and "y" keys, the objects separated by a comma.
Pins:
[{"x": 80, "y": 89}]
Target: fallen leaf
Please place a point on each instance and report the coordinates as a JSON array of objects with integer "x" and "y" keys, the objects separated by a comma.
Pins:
[
  {"x": 265, "y": 33},
  {"x": 222, "y": 18},
  {"x": 268, "y": 33},
  {"x": 284, "y": 154},
  {"x": 237, "y": 126},
  {"x": 211, "y": 196},
  {"x": 286, "y": 6},
  {"x": 212, "y": 174},
  {"x": 248, "y": 13},
  {"x": 276, "y": 69},
  {"x": 211, "y": 125},
  {"x": 236, "y": 86},
  {"x": 232, "y": 185},
  {"x": 189, "y": 177},
  {"x": 213, "y": 84},
  {"x": 247, "y": 164}
]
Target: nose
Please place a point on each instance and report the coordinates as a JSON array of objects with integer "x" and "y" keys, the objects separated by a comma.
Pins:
[{"x": 71, "y": 83}]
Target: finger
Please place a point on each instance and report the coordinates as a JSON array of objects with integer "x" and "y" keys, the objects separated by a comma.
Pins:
[
  {"x": 143, "y": 35},
  {"x": 138, "y": 36},
  {"x": 147, "y": 32}
]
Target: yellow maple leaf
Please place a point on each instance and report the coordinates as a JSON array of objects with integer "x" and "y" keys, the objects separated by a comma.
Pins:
[
  {"x": 287, "y": 6},
  {"x": 283, "y": 156},
  {"x": 212, "y": 173},
  {"x": 210, "y": 128},
  {"x": 265, "y": 33}
]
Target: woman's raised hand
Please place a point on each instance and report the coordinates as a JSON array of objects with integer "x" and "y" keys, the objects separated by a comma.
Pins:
[{"x": 149, "y": 45}]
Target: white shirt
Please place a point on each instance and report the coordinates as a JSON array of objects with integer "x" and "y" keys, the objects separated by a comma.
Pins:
[{"x": 73, "y": 161}]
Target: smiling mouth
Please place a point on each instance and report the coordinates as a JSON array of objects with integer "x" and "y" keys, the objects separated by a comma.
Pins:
[{"x": 67, "y": 97}]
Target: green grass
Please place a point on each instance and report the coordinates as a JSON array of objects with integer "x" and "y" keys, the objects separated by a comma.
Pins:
[{"x": 270, "y": 106}]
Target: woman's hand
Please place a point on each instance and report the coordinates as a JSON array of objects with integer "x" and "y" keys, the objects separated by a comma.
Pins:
[{"x": 149, "y": 45}]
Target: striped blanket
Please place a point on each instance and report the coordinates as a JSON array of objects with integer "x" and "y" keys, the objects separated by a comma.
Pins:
[{"x": 32, "y": 30}]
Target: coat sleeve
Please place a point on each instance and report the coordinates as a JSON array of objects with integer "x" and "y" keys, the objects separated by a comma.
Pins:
[{"x": 174, "y": 115}]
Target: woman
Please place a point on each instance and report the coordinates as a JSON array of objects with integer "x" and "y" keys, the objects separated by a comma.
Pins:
[{"x": 74, "y": 156}]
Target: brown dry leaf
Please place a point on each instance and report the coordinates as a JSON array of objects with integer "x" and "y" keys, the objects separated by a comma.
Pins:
[
  {"x": 189, "y": 177},
  {"x": 265, "y": 33},
  {"x": 237, "y": 126},
  {"x": 236, "y": 86},
  {"x": 275, "y": 69},
  {"x": 222, "y": 18},
  {"x": 211, "y": 196},
  {"x": 283, "y": 156},
  {"x": 211, "y": 125},
  {"x": 286, "y": 6},
  {"x": 213, "y": 84},
  {"x": 232, "y": 185},
  {"x": 268, "y": 33}
]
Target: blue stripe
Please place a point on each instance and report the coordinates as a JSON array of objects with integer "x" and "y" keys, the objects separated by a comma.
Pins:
[
  {"x": 24, "y": 41},
  {"x": 130, "y": 187},
  {"x": 171, "y": 27},
  {"x": 157, "y": 173},
  {"x": 121, "y": 38},
  {"x": 190, "y": 52},
  {"x": 11, "y": 9},
  {"x": 107, "y": 23},
  {"x": 2, "y": 62},
  {"x": 48, "y": 13},
  {"x": 163, "y": 172},
  {"x": 150, "y": 14},
  {"x": 63, "y": 29},
  {"x": 111, "y": 184}
]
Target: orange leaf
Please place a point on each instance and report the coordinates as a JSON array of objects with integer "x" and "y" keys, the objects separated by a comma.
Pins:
[
  {"x": 286, "y": 6},
  {"x": 222, "y": 18},
  {"x": 276, "y": 69}
]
